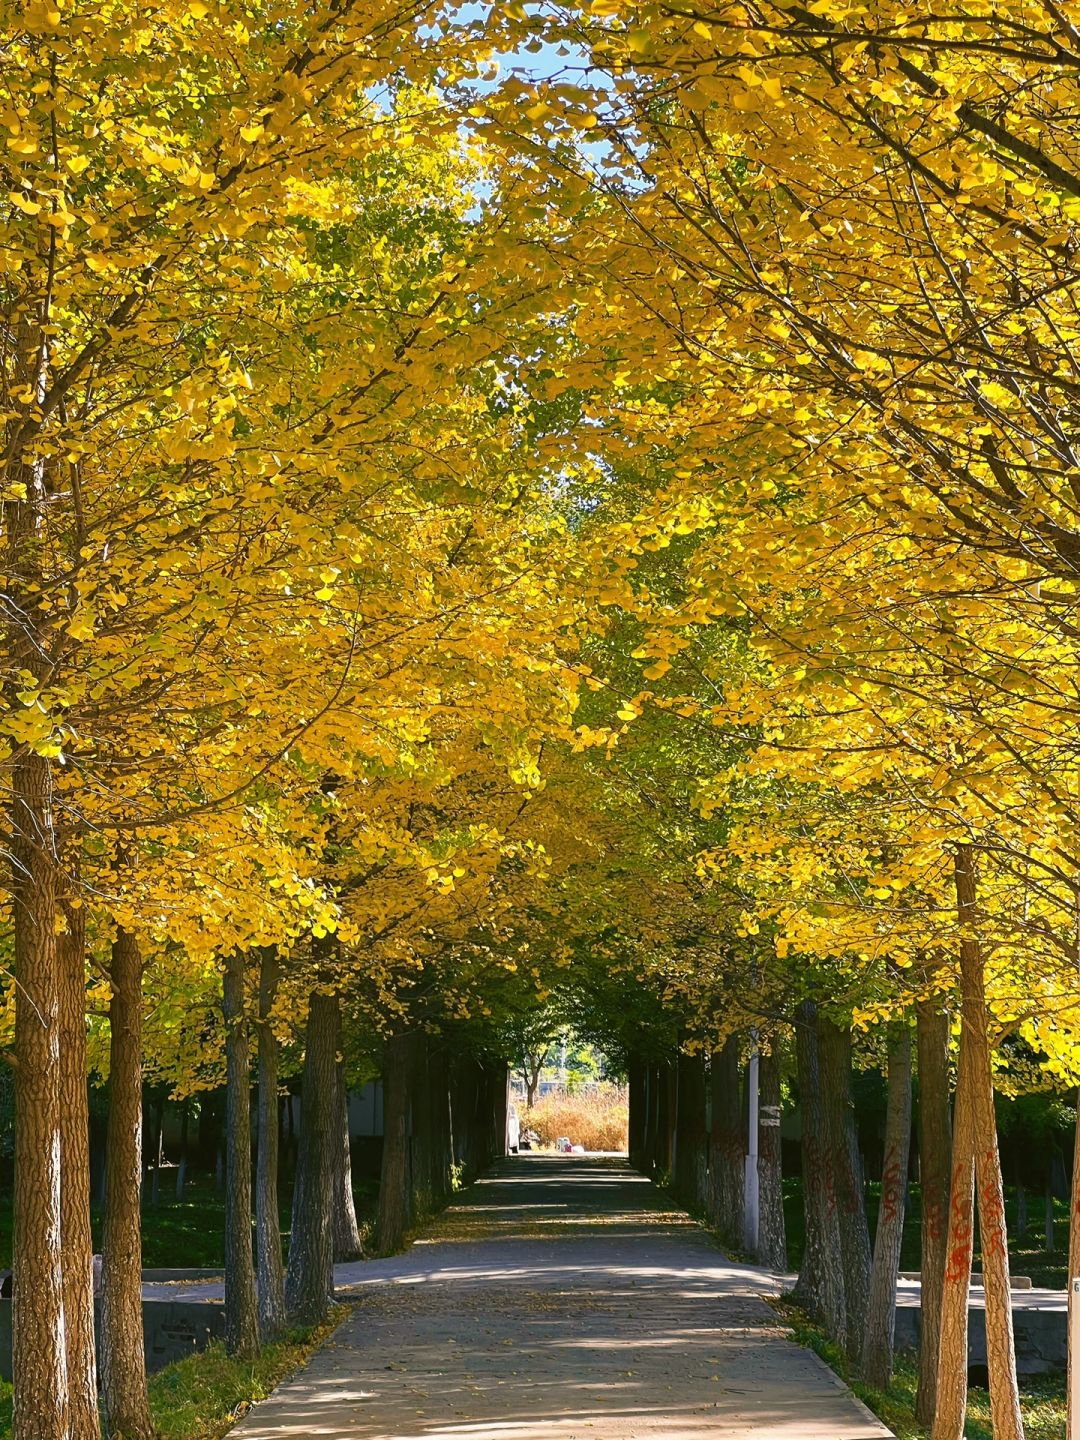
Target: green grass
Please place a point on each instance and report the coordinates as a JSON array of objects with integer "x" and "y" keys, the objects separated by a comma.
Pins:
[
  {"x": 190, "y": 1233},
  {"x": 201, "y": 1396},
  {"x": 1042, "y": 1398}
]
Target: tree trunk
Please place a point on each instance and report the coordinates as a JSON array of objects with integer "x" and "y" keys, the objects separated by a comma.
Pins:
[
  {"x": 78, "y": 1262},
  {"x": 462, "y": 1076},
  {"x": 845, "y": 1168},
  {"x": 270, "y": 1272},
  {"x": 637, "y": 1101},
  {"x": 727, "y": 1148},
  {"x": 41, "y": 1407},
  {"x": 153, "y": 1168},
  {"x": 123, "y": 1363},
  {"x": 241, "y": 1308},
  {"x": 393, "y": 1215},
  {"x": 935, "y": 1146},
  {"x": 185, "y": 1141},
  {"x": 421, "y": 1120},
  {"x": 309, "y": 1279},
  {"x": 772, "y": 1236},
  {"x": 440, "y": 1147},
  {"x": 499, "y": 1091},
  {"x": 347, "y": 1242},
  {"x": 182, "y": 1167},
  {"x": 877, "y": 1344},
  {"x": 446, "y": 1124},
  {"x": 951, "y": 1395},
  {"x": 665, "y": 1121},
  {"x": 1074, "y": 1262},
  {"x": 690, "y": 1137},
  {"x": 820, "y": 1286},
  {"x": 1000, "y": 1349},
  {"x": 652, "y": 1085},
  {"x": 39, "y": 1349}
]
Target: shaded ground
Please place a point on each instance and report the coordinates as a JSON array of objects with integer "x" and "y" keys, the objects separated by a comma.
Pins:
[{"x": 561, "y": 1301}]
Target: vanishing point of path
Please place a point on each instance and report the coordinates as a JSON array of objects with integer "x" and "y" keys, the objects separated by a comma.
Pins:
[{"x": 561, "y": 1301}]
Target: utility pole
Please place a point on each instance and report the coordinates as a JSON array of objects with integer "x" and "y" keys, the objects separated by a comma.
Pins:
[{"x": 751, "y": 1207}]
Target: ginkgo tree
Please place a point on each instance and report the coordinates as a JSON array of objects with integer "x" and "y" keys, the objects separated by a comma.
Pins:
[{"x": 213, "y": 382}]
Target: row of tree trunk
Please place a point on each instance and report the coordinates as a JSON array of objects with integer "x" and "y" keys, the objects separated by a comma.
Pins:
[
  {"x": 852, "y": 1293},
  {"x": 444, "y": 1118},
  {"x": 688, "y": 1128},
  {"x": 688, "y": 1125}
]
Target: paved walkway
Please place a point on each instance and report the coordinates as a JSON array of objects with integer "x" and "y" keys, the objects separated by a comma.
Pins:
[{"x": 561, "y": 1302}]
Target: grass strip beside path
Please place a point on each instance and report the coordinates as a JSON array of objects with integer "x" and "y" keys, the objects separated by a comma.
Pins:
[
  {"x": 1042, "y": 1398},
  {"x": 202, "y": 1396}
]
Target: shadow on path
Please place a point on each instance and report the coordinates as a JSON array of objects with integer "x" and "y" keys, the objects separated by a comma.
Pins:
[{"x": 561, "y": 1300}]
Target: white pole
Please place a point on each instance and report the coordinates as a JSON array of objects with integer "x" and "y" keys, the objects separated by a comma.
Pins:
[{"x": 750, "y": 1212}]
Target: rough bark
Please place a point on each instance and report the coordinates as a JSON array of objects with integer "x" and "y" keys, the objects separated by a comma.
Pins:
[
  {"x": 38, "y": 1352},
  {"x": 1074, "y": 1261},
  {"x": 123, "y": 1365},
  {"x": 270, "y": 1271},
  {"x": 241, "y": 1308},
  {"x": 347, "y": 1242},
  {"x": 442, "y": 1130},
  {"x": 652, "y": 1086},
  {"x": 420, "y": 1131},
  {"x": 665, "y": 1120},
  {"x": 532, "y": 1062},
  {"x": 463, "y": 1075},
  {"x": 690, "y": 1133},
  {"x": 1000, "y": 1348},
  {"x": 935, "y": 1147},
  {"x": 392, "y": 1219},
  {"x": 727, "y": 1147},
  {"x": 951, "y": 1395},
  {"x": 820, "y": 1286},
  {"x": 637, "y": 1094},
  {"x": 78, "y": 1266},
  {"x": 772, "y": 1236},
  {"x": 309, "y": 1278},
  {"x": 877, "y": 1345},
  {"x": 845, "y": 1169}
]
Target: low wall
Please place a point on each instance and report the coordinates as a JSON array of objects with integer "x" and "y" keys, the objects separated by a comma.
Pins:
[
  {"x": 1041, "y": 1337},
  {"x": 171, "y": 1330}
]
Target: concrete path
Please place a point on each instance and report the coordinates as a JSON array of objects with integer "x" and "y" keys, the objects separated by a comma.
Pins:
[{"x": 561, "y": 1302}]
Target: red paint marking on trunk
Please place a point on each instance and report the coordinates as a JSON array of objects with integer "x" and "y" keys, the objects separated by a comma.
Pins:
[
  {"x": 958, "y": 1267},
  {"x": 891, "y": 1188},
  {"x": 992, "y": 1218},
  {"x": 933, "y": 1217}
]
